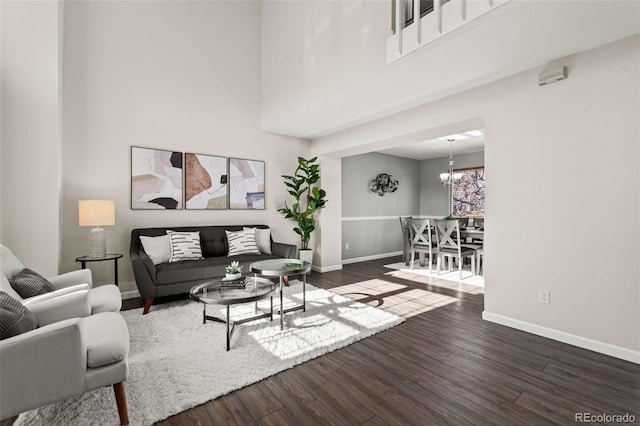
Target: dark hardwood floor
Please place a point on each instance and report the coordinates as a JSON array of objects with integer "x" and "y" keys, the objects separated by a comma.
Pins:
[{"x": 444, "y": 365}]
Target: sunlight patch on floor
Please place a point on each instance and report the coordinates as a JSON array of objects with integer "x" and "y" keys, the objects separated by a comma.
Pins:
[
  {"x": 393, "y": 297},
  {"x": 470, "y": 287}
]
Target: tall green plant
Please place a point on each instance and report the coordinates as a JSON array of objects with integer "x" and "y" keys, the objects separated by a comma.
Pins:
[{"x": 309, "y": 198}]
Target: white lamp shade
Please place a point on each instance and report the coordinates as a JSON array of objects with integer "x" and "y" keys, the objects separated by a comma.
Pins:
[{"x": 96, "y": 213}]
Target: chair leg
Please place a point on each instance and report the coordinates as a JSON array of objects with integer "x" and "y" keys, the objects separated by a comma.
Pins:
[
  {"x": 460, "y": 262},
  {"x": 121, "y": 402},
  {"x": 473, "y": 264},
  {"x": 147, "y": 305},
  {"x": 405, "y": 254}
]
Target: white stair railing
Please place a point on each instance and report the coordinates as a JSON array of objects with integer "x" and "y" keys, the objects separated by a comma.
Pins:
[{"x": 408, "y": 35}]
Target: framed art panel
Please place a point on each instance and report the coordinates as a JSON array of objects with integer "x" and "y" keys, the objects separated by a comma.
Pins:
[
  {"x": 156, "y": 179},
  {"x": 246, "y": 184},
  {"x": 205, "y": 182}
]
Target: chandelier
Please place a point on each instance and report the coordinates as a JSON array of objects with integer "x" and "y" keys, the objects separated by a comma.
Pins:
[{"x": 450, "y": 178}]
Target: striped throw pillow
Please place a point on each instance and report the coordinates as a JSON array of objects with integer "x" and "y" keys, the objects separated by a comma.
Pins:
[
  {"x": 15, "y": 318},
  {"x": 28, "y": 283},
  {"x": 185, "y": 246},
  {"x": 242, "y": 242},
  {"x": 263, "y": 240}
]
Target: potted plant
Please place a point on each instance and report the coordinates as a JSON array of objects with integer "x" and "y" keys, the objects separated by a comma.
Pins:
[
  {"x": 233, "y": 271},
  {"x": 308, "y": 199}
]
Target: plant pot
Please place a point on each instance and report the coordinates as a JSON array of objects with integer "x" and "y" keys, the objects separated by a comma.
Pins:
[
  {"x": 233, "y": 276},
  {"x": 306, "y": 255}
]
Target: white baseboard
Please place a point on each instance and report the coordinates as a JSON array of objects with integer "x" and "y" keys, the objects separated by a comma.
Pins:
[
  {"x": 130, "y": 294},
  {"x": 561, "y": 336},
  {"x": 330, "y": 268},
  {"x": 372, "y": 257}
]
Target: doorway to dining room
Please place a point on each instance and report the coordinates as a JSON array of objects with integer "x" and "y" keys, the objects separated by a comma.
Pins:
[{"x": 370, "y": 226}]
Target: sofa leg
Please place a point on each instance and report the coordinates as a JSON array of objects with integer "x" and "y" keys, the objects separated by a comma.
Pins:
[
  {"x": 121, "y": 402},
  {"x": 147, "y": 305}
]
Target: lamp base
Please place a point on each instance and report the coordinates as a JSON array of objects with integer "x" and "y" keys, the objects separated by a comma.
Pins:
[{"x": 97, "y": 243}]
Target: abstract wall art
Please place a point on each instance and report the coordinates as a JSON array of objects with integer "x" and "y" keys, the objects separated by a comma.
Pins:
[
  {"x": 156, "y": 179},
  {"x": 246, "y": 184},
  {"x": 205, "y": 180}
]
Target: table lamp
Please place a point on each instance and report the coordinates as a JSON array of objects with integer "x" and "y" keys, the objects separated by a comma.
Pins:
[{"x": 96, "y": 213}]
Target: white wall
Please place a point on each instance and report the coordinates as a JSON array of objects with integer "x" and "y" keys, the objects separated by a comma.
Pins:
[
  {"x": 563, "y": 189},
  {"x": 182, "y": 76},
  {"x": 31, "y": 140},
  {"x": 314, "y": 51}
]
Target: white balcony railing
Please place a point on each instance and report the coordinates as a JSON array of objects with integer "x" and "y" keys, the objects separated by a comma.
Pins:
[{"x": 416, "y": 23}]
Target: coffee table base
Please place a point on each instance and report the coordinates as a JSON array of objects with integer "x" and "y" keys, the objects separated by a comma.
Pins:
[
  {"x": 302, "y": 307},
  {"x": 231, "y": 325}
]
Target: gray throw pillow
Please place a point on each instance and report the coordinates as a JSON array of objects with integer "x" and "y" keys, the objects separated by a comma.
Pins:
[
  {"x": 15, "y": 318},
  {"x": 28, "y": 283}
]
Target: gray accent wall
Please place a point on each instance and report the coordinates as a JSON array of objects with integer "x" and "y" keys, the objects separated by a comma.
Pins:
[
  {"x": 366, "y": 235},
  {"x": 433, "y": 195}
]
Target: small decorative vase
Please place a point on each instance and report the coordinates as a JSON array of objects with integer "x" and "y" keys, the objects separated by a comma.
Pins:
[{"x": 235, "y": 276}]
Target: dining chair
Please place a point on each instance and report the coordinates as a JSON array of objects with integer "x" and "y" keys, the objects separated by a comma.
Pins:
[
  {"x": 406, "y": 238},
  {"x": 421, "y": 240},
  {"x": 480, "y": 261},
  {"x": 449, "y": 245},
  {"x": 474, "y": 239},
  {"x": 478, "y": 247}
]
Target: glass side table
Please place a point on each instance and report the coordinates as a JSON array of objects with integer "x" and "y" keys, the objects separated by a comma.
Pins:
[
  {"x": 281, "y": 268},
  {"x": 110, "y": 256}
]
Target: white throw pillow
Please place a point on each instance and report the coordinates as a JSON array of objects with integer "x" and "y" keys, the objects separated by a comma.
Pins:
[
  {"x": 263, "y": 239},
  {"x": 157, "y": 248},
  {"x": 185, "y": 246},
  {"x": 242, "y": 242}
]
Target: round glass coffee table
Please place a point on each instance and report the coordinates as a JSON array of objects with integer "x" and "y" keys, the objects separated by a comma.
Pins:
[
  {"x": 214, "y": 293},
  {"x": 282, "y": 268}
]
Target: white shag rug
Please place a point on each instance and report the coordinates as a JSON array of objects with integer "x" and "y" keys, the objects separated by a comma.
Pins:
[
  {"x": 176, "y": 362},
  {"x": 467, "y": 276}
]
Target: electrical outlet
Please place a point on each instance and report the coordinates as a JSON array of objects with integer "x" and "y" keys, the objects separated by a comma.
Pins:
[
  {"x": 544, "y": 296},
  {"x": 346, "y": 246}
]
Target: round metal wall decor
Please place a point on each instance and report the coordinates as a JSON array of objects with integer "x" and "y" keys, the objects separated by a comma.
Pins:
[{"x": 384, "y": 183}]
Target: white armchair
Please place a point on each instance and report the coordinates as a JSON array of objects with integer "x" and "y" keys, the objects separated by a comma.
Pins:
[
  {"x": 105, "y": 298},
  {"x": 63, "y": 359},
  {"x": 81, "y": 343}
]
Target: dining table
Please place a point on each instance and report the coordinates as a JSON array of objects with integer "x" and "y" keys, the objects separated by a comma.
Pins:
[{"x": 474, "y": 233}]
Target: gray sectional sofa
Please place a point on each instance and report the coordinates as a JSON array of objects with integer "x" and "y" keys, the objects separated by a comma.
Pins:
[{"x": 166, "y": 279}]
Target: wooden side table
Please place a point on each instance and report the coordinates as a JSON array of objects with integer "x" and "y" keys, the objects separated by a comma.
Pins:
[{"x": 110, "y": 256}]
